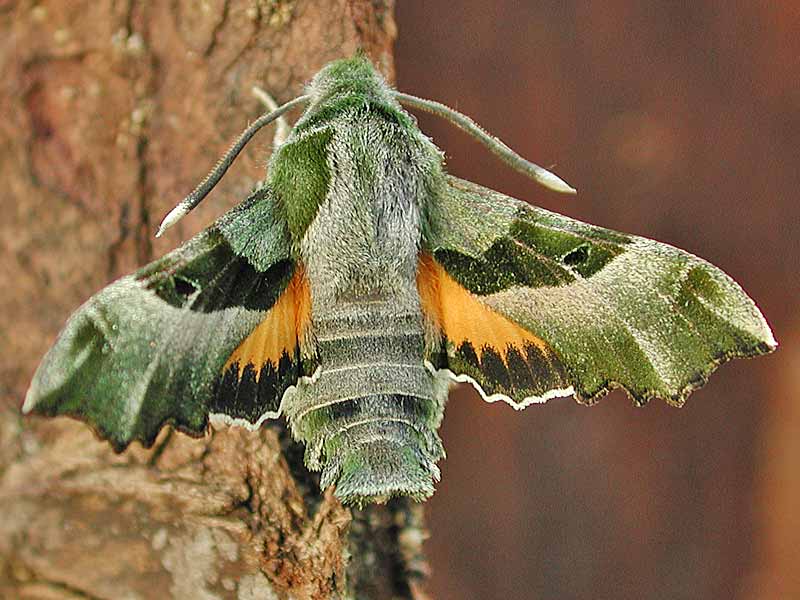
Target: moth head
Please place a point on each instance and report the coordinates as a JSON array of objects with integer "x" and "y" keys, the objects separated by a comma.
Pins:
[{"x": 348, "y": 77}]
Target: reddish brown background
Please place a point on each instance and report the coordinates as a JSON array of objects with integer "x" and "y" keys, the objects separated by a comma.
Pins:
[{"x": 678, "y": 121}]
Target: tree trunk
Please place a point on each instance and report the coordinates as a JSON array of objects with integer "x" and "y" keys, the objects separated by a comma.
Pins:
[{"x": 113, "y": 110}]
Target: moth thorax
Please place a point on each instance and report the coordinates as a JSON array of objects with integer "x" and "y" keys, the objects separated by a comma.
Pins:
[{"x": 374, "y": 447}]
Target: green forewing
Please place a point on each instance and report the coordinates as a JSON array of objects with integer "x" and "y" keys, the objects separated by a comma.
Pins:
[
  {"x": 617, "y": 310},
  {"x": 150, "y": 348}
]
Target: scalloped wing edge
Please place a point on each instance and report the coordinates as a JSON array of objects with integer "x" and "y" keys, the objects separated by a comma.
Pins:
[
  {"x": 701, "y": 379},
  {"x": 678, "y": 400},
  {"x": 223, "y": 419},
  {"x": 491, "y": 398}
]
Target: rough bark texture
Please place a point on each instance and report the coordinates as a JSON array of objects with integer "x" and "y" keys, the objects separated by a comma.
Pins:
[{"x": 112, "y": 111}]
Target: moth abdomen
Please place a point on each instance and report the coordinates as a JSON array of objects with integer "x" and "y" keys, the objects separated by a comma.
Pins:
[
  {"x": 376, "y": 446},
  {"x": 369, "y": 416}
]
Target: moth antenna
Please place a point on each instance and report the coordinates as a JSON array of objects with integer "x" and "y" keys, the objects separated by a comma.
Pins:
[
  {"x": 213, "y": 177},
  {"x": 506, "y": 154},
  {"x": 282, "y": 130}
]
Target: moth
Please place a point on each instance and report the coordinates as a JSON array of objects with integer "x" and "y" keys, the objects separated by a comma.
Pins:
[{"x": 359, "y": 281}]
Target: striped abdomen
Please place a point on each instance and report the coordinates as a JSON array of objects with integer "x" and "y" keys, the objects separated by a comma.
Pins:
[{"x": 369, "y": 416}]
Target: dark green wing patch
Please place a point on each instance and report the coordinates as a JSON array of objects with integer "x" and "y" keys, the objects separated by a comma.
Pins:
[
  {"x": 150, "y": 348},
  {"x": 617, "y": 310},
  {"x": 207, "y": 276},
  {"x": 511, "y": 245}
]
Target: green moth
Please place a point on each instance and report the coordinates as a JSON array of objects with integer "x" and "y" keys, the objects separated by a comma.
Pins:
[{"x": 360, "y": 280}]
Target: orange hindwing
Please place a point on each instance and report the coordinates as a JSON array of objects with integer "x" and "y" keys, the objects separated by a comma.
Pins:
[
  {"x": 279, "y": 332},
  {"x": 461, "y": 317}
]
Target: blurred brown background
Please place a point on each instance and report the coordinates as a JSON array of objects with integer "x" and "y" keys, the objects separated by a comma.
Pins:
[{"x": 678, "y": 121}]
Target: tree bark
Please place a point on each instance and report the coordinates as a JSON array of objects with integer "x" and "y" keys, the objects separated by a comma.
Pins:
[{"x": 113, "y": 110}]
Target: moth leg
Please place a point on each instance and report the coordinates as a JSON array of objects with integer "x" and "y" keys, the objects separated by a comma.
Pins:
[{"x": 282, "y": 130}]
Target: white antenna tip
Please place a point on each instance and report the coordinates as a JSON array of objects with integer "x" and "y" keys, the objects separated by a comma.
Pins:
[
  {"x": 175, "y": 215},
  {"x": 554, "y": 182}
]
